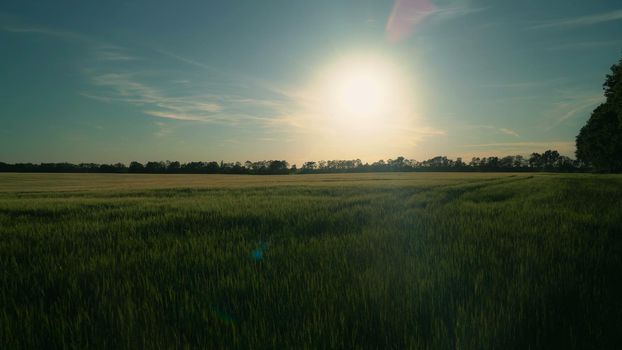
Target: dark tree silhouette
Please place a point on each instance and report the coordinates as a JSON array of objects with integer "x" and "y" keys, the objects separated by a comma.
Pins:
[
  {"x": 506, "y": 162},
  {"x": 548, "y": 161},
  {"x": 172, "y": 167},
  {"x": 309, "y": 166},
  {"x": 535, "y": 160},
  {"x": 550, "y": 158},
  {"x": 136, "y": 167},
  {"x": 155, "y": 167},
  {"x": 278, "y": 167},
  {"x": 599, "y": 142},
  {"x": 613, "y": 88}
]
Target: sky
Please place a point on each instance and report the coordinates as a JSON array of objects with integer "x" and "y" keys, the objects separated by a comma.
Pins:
[{"x": 117, "y": 81}]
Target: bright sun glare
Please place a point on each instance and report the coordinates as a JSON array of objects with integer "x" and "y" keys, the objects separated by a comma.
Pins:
[
  {"x": 363, "y": 101},
  {"x": 362, "y": 91}
]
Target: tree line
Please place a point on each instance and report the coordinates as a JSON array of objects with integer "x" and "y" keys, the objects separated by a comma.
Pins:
[{"x": 550, "y": 161}]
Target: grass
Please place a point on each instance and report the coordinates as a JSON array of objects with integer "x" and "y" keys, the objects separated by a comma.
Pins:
[{"x": 440, "y": 261}]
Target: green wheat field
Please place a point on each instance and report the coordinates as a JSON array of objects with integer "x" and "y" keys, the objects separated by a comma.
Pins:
[{"x": 387, "y": 261}]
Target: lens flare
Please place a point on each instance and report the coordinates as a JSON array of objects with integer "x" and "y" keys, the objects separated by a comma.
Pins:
[{"x": 406, "y": 15}]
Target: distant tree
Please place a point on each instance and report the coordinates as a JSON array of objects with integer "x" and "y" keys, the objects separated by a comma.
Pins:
[
  {"x": 506, "y": 162},
  {"x": 212, "y": 167},
  {"x": 309, "y": 167},
  {"x": 278, "y": 167},
  {"x": 93, "y": 168},
  {"x": 412, "y": 163},
  {"x": 237, "y": 168},
  {"x": 173, "y": 167},
  {"x": 436, "y": 162},
  {"x": 136, "y": 167},
  {"x": 378, "y": 166},
  {"x": 106, "y": 168},
  {"x": 549, "y": 158},
  {"x": 564, "y": 163},
  {"x": 226, "y": 168},
  {"x": 193, "y": 167},
  {"x": 483, "y": 163},
  {"x": 535, "y": 161},
  {"x": 493, "y": 163},
  {"x": 519, "y": 161},
  {"x": 155, "y": 167},
  {"x": 599, "y": 142},
  {"x": 396, "y": 164},
  {"x": 120, "y": 168}
]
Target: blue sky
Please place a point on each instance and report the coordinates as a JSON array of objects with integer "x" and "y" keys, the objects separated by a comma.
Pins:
[{"x": 115, "y": 81}]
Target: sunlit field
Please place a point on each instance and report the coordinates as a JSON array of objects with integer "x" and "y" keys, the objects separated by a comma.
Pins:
[{"x": 404, "y": 260}]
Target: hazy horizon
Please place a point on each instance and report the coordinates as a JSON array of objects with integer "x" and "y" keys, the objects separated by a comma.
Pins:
[{"x": 299, "y": 81}]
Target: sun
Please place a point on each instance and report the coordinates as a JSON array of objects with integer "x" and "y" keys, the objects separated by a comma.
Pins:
[
  {"x": 362, "y": 101},
  {"x": 361, "y": 91}
]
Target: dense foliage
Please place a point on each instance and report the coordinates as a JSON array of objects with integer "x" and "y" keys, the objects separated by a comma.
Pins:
[
  {"x": 379, "y": 261},
  {"x": 599, "y": 142},
  {"x": 547, "y": 161}
]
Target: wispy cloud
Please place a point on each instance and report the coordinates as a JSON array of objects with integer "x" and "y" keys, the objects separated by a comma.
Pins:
[
  {"x": 509, "y": 132},
  {"x": 115, "y": 84},
  {"x": 184, "y": 59},
  {"x": 47, "y": 32},
  {"x": 425, "y": 131},
  {"x": 455, "y": 10},
  {"x": 527, "y": 84},
  {"x": 177, "y": 116},
  {"x": 580, "y": 21},
  {"x": 125, "y": 87},
  {"x": 171, "y": 103},
  {"x": 163, "y": 129},
  {"x": 571, "y": 104},
  {"x": 99, "y": 51},
  {"x": 504, "y": 131},
  {"x": 112, "y": 53},
  {"x": 408, "y": 14},
  {"x": 586, "y": 45}
]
